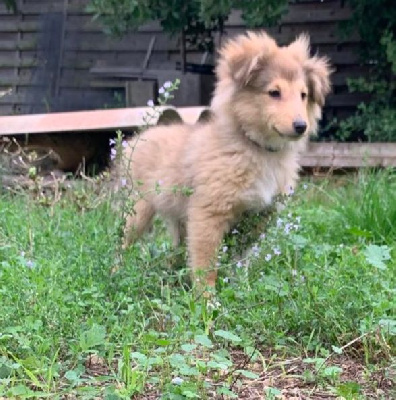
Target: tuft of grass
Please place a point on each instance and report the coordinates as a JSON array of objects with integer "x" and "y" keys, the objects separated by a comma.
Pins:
[
  {"x": 371, "y": 210},
  {"x": 312, "y": 299}
]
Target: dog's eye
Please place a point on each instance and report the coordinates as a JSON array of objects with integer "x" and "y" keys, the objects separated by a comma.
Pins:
[
  {"x": 303, "y": 95},
  {"x": 276, "y": 94}
]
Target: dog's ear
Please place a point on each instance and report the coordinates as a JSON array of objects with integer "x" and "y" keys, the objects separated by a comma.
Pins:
[
  {"x": 318, "y": 72},
  {"x": 242, "y": 57},
  {"x": 243, "y": 69},
  {"x": 300, "y": 48},
  {"x": 317, "y": 69}
]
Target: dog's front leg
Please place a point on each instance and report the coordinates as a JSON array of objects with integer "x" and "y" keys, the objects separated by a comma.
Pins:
[{"x": 204, "y": 234}]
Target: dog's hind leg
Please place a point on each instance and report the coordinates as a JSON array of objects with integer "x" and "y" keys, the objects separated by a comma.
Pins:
[{"x": 138, "y": 221}]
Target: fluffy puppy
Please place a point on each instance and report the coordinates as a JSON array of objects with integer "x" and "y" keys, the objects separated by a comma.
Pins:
[{"x": 267, "y": 102}]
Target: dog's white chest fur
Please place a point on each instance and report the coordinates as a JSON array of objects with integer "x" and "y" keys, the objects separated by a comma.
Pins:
[{"x": 261, "y": 191}]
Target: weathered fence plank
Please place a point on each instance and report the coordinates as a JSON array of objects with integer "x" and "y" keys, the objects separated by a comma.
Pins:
[{"x": 349, "y": 155}]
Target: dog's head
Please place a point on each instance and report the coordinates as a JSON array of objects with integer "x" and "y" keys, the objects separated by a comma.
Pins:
[{"x": 274, "y": 94}]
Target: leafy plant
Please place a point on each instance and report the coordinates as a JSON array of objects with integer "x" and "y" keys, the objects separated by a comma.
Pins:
[
  {"x": 375, "y": 21},
  {"x": 197, "y": 17},
  {"x": 377, "y": 255},
  {"x": 195, "y": 21},
  {"x": 375, "y": 120},
  {"x": 372, "y": 19},
  {"x": 349, "y": 390},
  {"x": 322, "y": 371}
]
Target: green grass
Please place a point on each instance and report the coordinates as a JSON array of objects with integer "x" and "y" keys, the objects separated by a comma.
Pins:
[{"x": 80, "y": 319}]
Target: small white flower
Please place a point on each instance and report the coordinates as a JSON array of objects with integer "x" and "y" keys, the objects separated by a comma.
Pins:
[
  {"x": 214, "y": 305},
  {"x": 262, "y": 236},
  {"x": 22, "y": 254},
  {"x": 235, "y": 231},
  {"x": 177, "y": 380},
  {"x": 161, "y": 90},
  {"x": 29, "y": 264},
  {"x": 298, "y": 219},
  {"x": 239, "y": 264},
  {"x": 123, "y": 182},
  {"x": 167, "y": 84},
  {"x": 112, "y": 142},
  {"x": 268, "y": 257},
  {"x": 277, "y": 252},
  {"x": 256, "y": 250},
  {"x": 225, "y": 248},
  {"x": 294, "y": 272},
  {"x": 124, "y": 144},
  {"x": 288, "y": 228},
  {"x": 305, "y": 186},
  {"x": 226, "y": 279},
  {"x": 150, "y": 103},
  {"x": 279, "y": 222},
  {"x": 113, "y": 153},
  {"x": 166, "y": 95}
]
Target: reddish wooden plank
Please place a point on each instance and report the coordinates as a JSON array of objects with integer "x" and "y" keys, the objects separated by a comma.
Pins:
[{"x": 99, "y": 120}]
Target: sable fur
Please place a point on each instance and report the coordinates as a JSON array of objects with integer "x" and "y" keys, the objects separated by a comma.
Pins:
[{"x": 239, "y": 160}]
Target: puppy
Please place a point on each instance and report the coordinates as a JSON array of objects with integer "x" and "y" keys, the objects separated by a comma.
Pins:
[{"x": 267, "y": 102}]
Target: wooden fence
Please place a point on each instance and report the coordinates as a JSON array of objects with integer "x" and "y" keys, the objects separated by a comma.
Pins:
[
  {"x": 65, "y": 141},
  {"x": 48, "y": 50}
]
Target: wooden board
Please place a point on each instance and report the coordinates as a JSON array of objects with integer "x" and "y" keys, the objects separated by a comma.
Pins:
[
  {"x": 349, "y": 155},
  {"x": 99, "y": 120}
]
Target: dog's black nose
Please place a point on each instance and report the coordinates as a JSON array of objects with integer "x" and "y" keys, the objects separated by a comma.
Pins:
[{"x": 299, "y": 126}]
